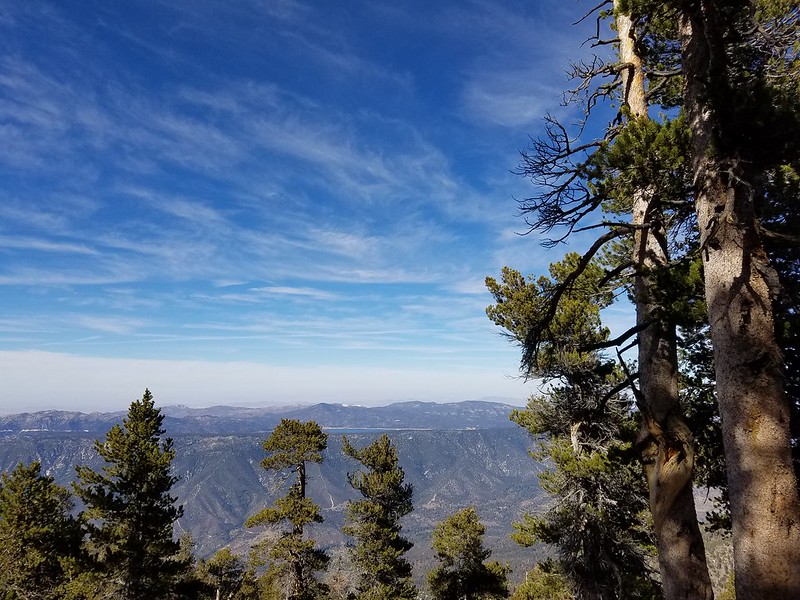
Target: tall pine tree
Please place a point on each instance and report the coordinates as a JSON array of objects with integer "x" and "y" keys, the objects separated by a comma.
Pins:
[
  {"x": 463, "y": 572},
  {"x": 741, "y": 66},
  {"x": 39, "y": 539},
  {"x": 130, "y": 513},
  {"x": 586, "y": 431},
  {"x": 374, "y": 522},
  {"x": 294, "y": 558}
]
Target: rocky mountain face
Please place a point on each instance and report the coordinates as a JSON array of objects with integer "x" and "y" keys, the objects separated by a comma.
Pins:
[{"x": 455, "y": 455}]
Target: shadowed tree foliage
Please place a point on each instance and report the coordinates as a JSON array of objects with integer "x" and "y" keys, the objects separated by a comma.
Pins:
[
  {"x": 129, "y": 512},
  {"x": 39, "y": 539},
  {"x": 462, "y": 572},
  {"x": 188, "y": 585},
  {"x": 734, "y": 68},
  {"x": 780, "y": 214},
  {"x": 293, "y": 558},
  {"x": 374, "y": 523}
]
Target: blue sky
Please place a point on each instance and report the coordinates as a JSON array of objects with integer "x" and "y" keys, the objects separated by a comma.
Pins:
[{"x": 266, "y": 201}]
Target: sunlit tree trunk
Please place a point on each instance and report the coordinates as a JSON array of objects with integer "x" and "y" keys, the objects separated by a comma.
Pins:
[
  {"x": 740, "y": 285},
  {"x": 666, "y": 440}
]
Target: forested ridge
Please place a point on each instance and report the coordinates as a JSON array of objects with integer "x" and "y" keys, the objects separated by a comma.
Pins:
[
  {"x": 221, "y": 482},
  {"x": 688, "y": 196},
  {"x": 221, "y": 475}
]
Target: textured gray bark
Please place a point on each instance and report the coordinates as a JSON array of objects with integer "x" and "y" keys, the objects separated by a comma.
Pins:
[
  {"x": 739, "y": 283},
  {"x": 665, "y": 438}
]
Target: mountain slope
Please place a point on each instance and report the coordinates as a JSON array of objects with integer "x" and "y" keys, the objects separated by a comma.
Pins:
[{"x": 221, "y": 482}]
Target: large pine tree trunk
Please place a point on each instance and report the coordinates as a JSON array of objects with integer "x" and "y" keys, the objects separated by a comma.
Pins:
[
  {"x": 740, "y": 284},
  {"x": 666, "y": 440}
]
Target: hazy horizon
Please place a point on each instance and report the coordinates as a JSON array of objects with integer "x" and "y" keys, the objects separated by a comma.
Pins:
[{"x": 172, "y": 409}]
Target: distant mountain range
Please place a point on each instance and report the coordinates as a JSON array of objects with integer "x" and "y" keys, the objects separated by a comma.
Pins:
[
  {"x": 455, "y": 455},
  {"x": 220, "y": 420}
]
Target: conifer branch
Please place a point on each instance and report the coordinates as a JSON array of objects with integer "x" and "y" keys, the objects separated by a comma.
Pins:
[
  {"x": 534, "y": 336},
  {"x": 617, "y": 340},
  {"x": 784, "y": 239}
]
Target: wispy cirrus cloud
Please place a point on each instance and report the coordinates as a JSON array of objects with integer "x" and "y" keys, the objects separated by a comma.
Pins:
[
  {"x": 44, "y": 245},
  {"x": 116, "y": 324},
  {"x": 520, "y": 77},
  {"x": 240, "y": 129},
  {"x": 272, "y": 181},
  {"x": 512, "y": 99},
  {"x": 302, "y": 292}
]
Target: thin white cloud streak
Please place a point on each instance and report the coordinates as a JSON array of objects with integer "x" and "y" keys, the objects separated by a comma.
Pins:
[
  {"x": 52, "y": 276},
  {"x": 472, "y": 286},
  {"x": 339, "y": 330},
  {"x": 84, "y": 383},
  {"x": 295, "y": 291},
  {"x": 248, "y": 122},
  {"x": 522, "y": 76},
  {"x": 205, "y": 243},
  {"x": 296, "y": 31},
  {"x": 32, "y": 325},
  {"x": 52, "y": 213},
  {"x": 420, "y": 324},
  {"x": 116, "y": 324},
  {"x": 43, "y": 245},
  {"x": 515, "y": 99}
]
